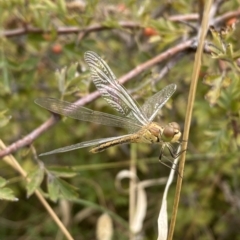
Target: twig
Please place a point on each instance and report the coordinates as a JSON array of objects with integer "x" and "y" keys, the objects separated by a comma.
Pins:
[
  {"x": 225, "y": 17},
  {"x": 186, "y": 17},
  {"x": 66, "y": 30},
  {"x": 27, "y": 140}
]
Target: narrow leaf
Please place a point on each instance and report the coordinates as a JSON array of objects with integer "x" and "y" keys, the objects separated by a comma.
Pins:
[
  {"x": 163, "y": 215},
  {"x": 53, "y": 187},
  {"x": 59, "y": 171}
]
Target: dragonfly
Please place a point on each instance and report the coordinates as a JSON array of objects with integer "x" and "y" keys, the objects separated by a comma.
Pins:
[{"x": 138, "y": 120}]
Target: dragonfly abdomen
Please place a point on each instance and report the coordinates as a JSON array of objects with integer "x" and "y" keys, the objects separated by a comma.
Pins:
[{"x": 123, "y": 140}]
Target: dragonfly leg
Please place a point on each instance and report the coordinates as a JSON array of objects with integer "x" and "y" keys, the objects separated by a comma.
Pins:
[
  {"x": 175, "y": 167},
  {"x": 171, "y": 151}
]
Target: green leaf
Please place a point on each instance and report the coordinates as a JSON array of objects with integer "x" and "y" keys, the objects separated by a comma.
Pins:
[
  {"x": 59, "y": 171},
  {"x": 73, "y": 71},
  {"x": 3, "y": 182},
  {"x": 48, "y": 5},
  {"x": 5, "y": 72},
  {"x": 68, "y": 76},
  {"x": 217, "y": 82},
  {"x": 61, "y": 78},
  {"x": 220, "y": 48},
  {"x": 236, "y": 54},
  {"x": 68, "y": 191},
  {"x": 4, "y": 119},
  {"x": 7, "y": 194},
  {"x": 53, "y": 188},
  {"x": 58, "y": 188},
  {"x": 36, "y": 178},
  {"x": 62, "y": 6}
]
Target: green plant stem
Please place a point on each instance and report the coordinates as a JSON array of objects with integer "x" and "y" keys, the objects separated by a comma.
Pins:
[{"x": 192, "y": 93}]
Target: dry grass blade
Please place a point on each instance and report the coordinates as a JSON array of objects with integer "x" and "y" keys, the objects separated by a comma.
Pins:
[
  {"x": 104, "y": 227},
  {"x": 163, "y": 216}
]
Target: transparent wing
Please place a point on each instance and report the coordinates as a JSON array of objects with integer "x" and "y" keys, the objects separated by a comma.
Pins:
[
  {"x": 111, "y": 90},
  {"x": 81, "y": 113},
  {"x": 156, "y": 102},
  {"x": 83, "y": 145}
]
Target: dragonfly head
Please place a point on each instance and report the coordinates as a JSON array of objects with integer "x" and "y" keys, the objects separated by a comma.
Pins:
[{"x": 171, "y": 132}]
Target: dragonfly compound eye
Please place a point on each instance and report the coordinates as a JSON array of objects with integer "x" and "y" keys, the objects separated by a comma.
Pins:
[
  {"x": 175, "y": 126},
  {"x": 172, "y": 132},
  {"x": 168, "y": 132}
]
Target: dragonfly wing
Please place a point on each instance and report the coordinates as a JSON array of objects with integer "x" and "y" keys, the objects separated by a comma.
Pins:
[
  {"x": 86, "y": 114},
  {"x": 156, "y": 102},
  {"x": 111, "y": 90},
  {"x": 82, "y": 145}
]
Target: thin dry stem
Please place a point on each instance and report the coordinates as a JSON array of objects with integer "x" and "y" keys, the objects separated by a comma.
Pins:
[
  {"x": 192, "y": 93},
  {"x": 66, "y": 30}
]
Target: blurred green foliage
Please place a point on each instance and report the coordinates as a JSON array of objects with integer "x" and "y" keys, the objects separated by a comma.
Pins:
[{"x": 49, "y": 64}]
